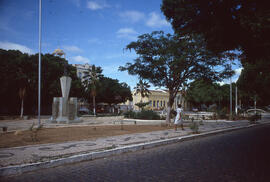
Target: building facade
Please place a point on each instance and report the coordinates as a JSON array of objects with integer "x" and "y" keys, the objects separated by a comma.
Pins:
[
  {"x": 82, "y": 70},
  {"x": 158, "y": 100}
]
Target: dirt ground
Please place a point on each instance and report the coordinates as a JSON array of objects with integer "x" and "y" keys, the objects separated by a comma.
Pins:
[{"x": 57, "y": 135}]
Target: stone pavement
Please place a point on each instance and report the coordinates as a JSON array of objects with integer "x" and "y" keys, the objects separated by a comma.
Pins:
[{"x": 19, "y": 159}]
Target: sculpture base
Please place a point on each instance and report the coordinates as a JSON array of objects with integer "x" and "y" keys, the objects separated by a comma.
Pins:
[{"x": 64, "y": 110}]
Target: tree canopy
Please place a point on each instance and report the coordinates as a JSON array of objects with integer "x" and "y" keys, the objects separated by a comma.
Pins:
[
  {"x": 205, "y": 92},
  {"x": 255, "y": 81},
  {"x": 112, "y": 92},
  {"x": 18, "y": 71},
  {"x": 225, "y": 25},
  {"x": 170, "y": 61},
  {"x": 142, "y": 88}
]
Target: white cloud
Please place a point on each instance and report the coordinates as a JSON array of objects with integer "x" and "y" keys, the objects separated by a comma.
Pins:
[
  {"x": 80, "y": 59},
  {"x": 94, "y": 41},
  {"x": 72, "y": 48},
  {"x": 94, "y": 5},
  {"x": 132, "y": 16},
  {"x": 14, "y": 46},
  {"x": 238, "y": 71},
  {"x": 110, "y": 70},
  {"x": 128, "y": 33},
  {"x": 155, "y": 21}
]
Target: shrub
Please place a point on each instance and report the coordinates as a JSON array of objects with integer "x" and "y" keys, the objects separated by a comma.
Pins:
[
  {"x": 253, "y": 118},
  {"x": 222, "y": 114},
  {"x": 130, "y": 114},
  {"x": 147, "y": 114},
  {"x": 34, "y": 132},
  {"x": 144, "y": 114}
]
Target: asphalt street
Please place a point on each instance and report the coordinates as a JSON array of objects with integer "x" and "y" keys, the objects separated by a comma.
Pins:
[{"x": 242, "y": 155}]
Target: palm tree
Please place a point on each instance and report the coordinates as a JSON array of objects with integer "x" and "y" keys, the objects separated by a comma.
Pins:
[
  {"x": 92, "y": 80},
  {"x": 22, "y": 95},
  {"x": 142, "y": 89}
]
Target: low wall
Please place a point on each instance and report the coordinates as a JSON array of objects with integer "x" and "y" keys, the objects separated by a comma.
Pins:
[
  {"x": 200, "y": 115},
  {"x": 103, "y": 119}
]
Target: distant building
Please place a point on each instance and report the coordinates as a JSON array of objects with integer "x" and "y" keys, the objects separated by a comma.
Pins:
[
  {"x": 158, "y": 100},
  {"x": 82, "y": 70}
]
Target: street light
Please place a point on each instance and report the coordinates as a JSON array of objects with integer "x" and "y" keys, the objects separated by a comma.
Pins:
[
  {"x": 231, "y": 93},
  {"x": 39, "y": 63}
]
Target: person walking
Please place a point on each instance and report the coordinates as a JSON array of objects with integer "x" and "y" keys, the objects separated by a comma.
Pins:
[{"x": 178, "y": 119}]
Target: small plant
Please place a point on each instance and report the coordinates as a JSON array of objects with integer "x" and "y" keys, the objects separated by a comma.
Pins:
[
  {"x": 194, "y": 127},
  {"x": 34, "y": 131},
  {"x": 222, "y": 114},
  {"x": 4, "y": 128},
  {"x": 201, "y": 122},
  {"x": 253, "y": 118}
]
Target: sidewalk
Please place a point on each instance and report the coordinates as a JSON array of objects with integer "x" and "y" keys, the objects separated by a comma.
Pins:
[{"x": 20, "y": 159}]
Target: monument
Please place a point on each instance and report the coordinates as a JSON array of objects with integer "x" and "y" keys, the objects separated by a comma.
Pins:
[{"x": 64, "y": 109}]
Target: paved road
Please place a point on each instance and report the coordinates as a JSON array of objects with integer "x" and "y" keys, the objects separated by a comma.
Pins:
[{"x": 242, "y": 155}]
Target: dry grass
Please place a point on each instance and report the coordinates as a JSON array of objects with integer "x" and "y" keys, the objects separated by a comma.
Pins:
[{"x": 57, "y": 135}]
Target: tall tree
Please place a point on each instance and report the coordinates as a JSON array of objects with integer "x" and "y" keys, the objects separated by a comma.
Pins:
[
  {"x": 170, "y": 61},
  {"x": 19, "y": 71},
  {"x": 110, "y": 91},
  {"x": 254, "y": 83},
  {"x": 225, "y": 24},
  {"x": 142, "y": 88},
  {"x": 92, "y": 77}
]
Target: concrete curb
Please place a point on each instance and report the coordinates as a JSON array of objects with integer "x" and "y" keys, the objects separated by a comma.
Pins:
[{"x": 18, "y": 169}]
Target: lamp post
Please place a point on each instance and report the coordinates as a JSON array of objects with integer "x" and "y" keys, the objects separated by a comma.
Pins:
[
  {"x": 236, "y": 107},
  {"x": 39, "y": 63},
  {"x": 231, "y": 94}
]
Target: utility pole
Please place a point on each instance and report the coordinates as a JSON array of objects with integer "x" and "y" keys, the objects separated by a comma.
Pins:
[
  {"x": 231, "y": 94},
  {"x": 236, "y": 107},
  {"x": 39, "y": 63}
]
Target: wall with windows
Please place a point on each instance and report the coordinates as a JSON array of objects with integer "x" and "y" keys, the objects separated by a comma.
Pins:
[
  {"x": 82, "y": 70},
  {"x": 158, "y": 100}
]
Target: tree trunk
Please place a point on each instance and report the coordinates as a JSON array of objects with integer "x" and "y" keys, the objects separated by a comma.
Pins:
[
  {"x": 169, "y": 108},
  {"x": 94, "y": 105},
  {"x": 22, "y": 109}
]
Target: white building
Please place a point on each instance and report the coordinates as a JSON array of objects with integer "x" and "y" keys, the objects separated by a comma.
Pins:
[{"x": 82, "y": 70}]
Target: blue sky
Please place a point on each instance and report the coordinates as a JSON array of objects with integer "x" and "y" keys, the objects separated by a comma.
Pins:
[{"x": 89, "y": 31}]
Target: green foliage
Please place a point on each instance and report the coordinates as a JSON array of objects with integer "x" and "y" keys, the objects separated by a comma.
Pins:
[
  {"x": 112, "y": 92},
  {"x": 147, "y": 114},
  {"x": 203, "y": 92},
  {"x": 144, "y": 114},
  {"x": 253, "y": 118},
  {"x": 18, "y": 70},
  {"x": 207, "y": 92},
  {"x": 170, "y": 61},
  {"x": 222, "y": 114},
  {"x": 226, "y": 25},
  {"x": 130, "y": 114},
  {"x": 142, "y": 89},
  {"x": 253, "y": 82}
]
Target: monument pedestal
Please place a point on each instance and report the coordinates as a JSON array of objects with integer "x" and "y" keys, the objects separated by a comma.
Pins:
[{"x": 65, "y": 110}]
